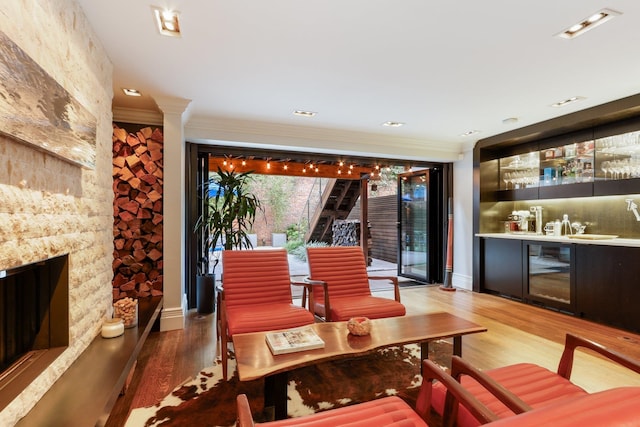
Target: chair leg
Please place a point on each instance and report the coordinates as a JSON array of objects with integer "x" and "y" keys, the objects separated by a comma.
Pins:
[{"x": 224, "y": 353}]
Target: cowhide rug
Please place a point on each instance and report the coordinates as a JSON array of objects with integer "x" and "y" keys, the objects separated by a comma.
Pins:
[{"x": 210, "y": 401}]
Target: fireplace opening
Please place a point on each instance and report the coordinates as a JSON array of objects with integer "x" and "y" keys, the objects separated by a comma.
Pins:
[{"x": 34, "y": 322}]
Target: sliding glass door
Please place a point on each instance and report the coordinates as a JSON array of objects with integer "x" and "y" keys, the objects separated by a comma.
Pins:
[{"x": 420, "y": 235}]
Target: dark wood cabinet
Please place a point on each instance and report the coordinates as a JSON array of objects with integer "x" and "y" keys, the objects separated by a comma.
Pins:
[
  {"x": 609, "y": 287},
  {"x": 502, "y": 267}
]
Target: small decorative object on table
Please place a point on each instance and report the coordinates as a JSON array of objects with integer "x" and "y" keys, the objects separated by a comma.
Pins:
[
  {"x": 127, "y": 310},
  {"x": 359, "y": 326},
  {"x": 112, "y": 328}
]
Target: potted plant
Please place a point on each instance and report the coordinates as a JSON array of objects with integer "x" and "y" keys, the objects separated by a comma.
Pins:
[{"x": 228, "y": 213}]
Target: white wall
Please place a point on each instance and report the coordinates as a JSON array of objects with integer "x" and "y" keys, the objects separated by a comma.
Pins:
[
  {"x": 48, "y": 206},
  {"x": 463, "y": 222}
]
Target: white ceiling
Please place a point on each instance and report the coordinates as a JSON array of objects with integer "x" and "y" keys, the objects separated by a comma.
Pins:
[{"x": 442, "y": 67}]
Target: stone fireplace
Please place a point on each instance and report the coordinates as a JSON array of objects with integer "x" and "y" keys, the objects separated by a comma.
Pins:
[
  {"x": 52, "y": 208},
  {"x": 34, "y": 321}
]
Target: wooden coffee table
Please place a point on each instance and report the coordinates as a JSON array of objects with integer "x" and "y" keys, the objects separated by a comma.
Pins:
[{"x": 255, "y": 360}]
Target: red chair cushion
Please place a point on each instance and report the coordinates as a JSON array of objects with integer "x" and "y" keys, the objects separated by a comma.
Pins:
[
  {"x": 368, "y": 306},
  {"x": 615, "y": 407},
  {"x": 535, "y": 385},
  {"x": 259, "y": 318},
  {"x": 388, "y": 411}
]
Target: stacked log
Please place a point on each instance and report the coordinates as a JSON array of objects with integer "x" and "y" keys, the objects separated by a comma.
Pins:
[
  {"x": 137, "y": 212},
  {"x": 346, "y": 233}
]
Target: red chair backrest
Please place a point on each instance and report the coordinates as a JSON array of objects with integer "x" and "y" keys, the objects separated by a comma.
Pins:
[
  {"x": 255, "y": 276},
  {"x": 343, "y": 268}
]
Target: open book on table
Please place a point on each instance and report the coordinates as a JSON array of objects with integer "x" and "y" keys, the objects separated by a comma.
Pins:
[{"x": 292, "y": 340}]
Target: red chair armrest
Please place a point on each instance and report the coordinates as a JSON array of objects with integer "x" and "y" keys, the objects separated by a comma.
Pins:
[
  {"x": 307, "y": 287},
  {"x": 327, "y": 306},
  {"x": 430, "y": 372},
  {"x": 394, "y": 280},
  {"x": 461, "y": 367},
  {"x": 245, "y": 418},
  {"x": 572, "y": 342}
]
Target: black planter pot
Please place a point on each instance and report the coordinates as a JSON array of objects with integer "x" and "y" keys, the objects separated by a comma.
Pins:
[{"x": 205, "y": 294}]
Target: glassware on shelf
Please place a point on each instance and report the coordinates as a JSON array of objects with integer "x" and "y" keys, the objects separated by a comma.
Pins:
[{"x": 520, "y": 171}]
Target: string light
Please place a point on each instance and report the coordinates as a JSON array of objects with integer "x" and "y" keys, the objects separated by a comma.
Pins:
[
  {"x": 286, "y": 166},
  {"x": 244, "y": 162},
  {"x": 268, "y": 164}
]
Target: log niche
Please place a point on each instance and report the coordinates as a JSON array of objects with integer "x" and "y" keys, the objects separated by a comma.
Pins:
[{"x": 137, "y": 212}]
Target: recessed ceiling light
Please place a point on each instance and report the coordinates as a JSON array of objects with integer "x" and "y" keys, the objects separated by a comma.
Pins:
[
  {"x": 568, "y": 101},
  {"x": 470, "y": 132},
  {"x": 303, "y": 113},
  {"x": 167, "y": 21},
  {"x": 587, "y": 24},
  {"x": 131, "y": 92},
  {"x": 393, "y": 124},
  {"x": 510, "y": 120}
]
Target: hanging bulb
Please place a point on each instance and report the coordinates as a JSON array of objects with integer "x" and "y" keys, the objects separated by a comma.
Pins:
[
  {"x": 224, "y": 162},
  {"x": 244, "y": 162},
  {"x": 268, "y": 164},
  {"x": 286, "y": 167}
]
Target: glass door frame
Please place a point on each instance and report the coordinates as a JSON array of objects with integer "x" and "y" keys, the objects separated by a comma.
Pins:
[{"x": 438, "y": 184}]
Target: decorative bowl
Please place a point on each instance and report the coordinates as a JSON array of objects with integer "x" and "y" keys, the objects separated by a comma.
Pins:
[{"x": 359, "y": 326}]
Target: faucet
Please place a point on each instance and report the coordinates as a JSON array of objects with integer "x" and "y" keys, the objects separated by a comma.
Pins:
[{"x": 631, "y": 206}]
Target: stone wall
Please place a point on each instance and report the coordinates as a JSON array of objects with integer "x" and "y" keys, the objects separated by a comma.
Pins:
[{"x": 49, "y": 206}]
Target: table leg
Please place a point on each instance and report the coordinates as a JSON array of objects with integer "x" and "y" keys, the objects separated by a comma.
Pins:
[
  {"x": 275, "y": 394},
  {"x": 457, "y": 346},
  {"x": 424, "y": 353}
]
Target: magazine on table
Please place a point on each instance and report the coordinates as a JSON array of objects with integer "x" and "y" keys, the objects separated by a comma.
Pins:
[{"x": 292, "y": 340}]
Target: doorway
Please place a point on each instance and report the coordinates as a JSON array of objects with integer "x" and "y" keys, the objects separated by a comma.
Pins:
[{"x": 271, "y": 162}]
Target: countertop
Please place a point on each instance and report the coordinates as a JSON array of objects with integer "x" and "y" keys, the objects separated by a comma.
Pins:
[{"x": 563, "y": 239}]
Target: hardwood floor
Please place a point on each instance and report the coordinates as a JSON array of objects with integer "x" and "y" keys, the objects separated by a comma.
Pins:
[{"x": 516, "y": 333}]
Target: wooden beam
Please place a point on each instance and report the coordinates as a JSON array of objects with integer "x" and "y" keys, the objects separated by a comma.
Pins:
[{"x": 277, "y": 167}]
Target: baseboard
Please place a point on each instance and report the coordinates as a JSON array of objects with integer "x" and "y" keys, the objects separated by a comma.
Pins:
[
  {"x": 461, "y": 281},
  {"x": 172, "y": 318}
]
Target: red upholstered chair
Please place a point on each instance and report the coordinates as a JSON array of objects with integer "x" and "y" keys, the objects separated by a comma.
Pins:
[
  {"x": 387, "y": 411},
  {"x": 616, "y": 407},
  {"x": 341, "y": 285},
  {"x": 536, "y": 386},
  {"x": 256, "y": 295}
]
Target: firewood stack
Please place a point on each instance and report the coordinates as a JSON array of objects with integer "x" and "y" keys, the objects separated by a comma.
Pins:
[
  {"x": 346, "y": 232},
  {"x": 137, "y": 211}
]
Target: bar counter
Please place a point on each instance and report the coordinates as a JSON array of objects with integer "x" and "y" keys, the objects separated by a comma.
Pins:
[{"x": 617, "y": 241}]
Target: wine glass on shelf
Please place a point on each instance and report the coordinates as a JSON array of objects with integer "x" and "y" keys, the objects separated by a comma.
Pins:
[
  {"x": 506, "y": 177},
  {"x": 606, "y": 168}
]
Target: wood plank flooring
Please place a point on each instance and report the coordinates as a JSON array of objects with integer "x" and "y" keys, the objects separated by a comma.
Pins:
[{"x": 516, "y": 333}]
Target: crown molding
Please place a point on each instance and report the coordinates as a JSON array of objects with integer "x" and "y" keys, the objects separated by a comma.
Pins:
[
  {"x": 282, "y": 136},
  {"x": 133, "y": 115}
]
